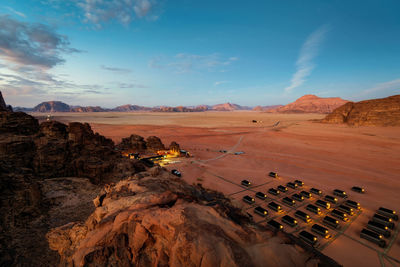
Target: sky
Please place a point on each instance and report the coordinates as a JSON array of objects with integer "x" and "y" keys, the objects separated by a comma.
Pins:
[{"x": 182, "y": 52}]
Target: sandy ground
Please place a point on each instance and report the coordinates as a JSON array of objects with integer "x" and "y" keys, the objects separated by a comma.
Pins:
[{"x": 321, "y": 155}]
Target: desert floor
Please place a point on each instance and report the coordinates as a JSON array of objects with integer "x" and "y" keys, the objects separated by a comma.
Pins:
[{"x": 321, "y": 155}]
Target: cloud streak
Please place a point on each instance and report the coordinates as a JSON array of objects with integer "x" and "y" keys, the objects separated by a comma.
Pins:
[
  {"x": 390, "y": 86},
  {"x": 115, "y": 69},
  {"x": 304, "y": 63}
]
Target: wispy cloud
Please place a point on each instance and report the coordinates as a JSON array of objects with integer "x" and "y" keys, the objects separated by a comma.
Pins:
[
  {"x": 15, "y": 12},
  {"x": 308, "y": 52},
  {"x": 220, "y": 82},
  {"x": 185, "y": 63},
  {"x": 390, "y": 87},
  {"x": 115, "y": 69}
]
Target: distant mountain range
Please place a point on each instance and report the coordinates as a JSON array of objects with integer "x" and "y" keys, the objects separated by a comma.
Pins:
[
  {"x": 305, "y": 104},
  {"x": 58, "y": 106}
]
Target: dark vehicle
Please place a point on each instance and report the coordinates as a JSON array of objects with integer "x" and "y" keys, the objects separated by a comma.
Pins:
[
  {"x": 305, "y": 194},
  {"x": 316, "y": 228},
  {"x": 176, "y": 173},
  {"x": 298, "y": 197},
  {"x": 246, "y": 183},
  {"x": 331, "y": 199},
  {"x": 249, "y": 199},
  {"x": 323, "y": 204},
  {"x": 273, "y": 174},
  {"x": 261, "y": 195},
  {"x": 291, "y": 185},
  {"x": 358, "y": 189},
  {"x": 298, "y": 182},
  {"x": 303, "y": 216},
  {"x": 147, "y": 162},
  {"x": 388, "y": 213},
  {"x": 288, "y": 201},
  {"x": 344, "y": 208},
  {"x": 261, "y": 211},
  {"x": 339, "y": 193},
  {"x": 273, "y": 191},
  {"x": 316, "y": 191},
  {"x": 353, "y": 204},
  {"x": 308, "y": 238},
  {"x": 384, "y": 220},
  {"x": 289, "y": 220},
  {"x": 332, "y": 222},
  {"x": 282, "y": 188},
  {"x": 313, "y": 209},
  {"x": 274, "y": 224},
  {"x": 339, "y": 214},
  {"x": 272, "y": 205},
  {"x": 373, "y": 237},
  {"x": 379, "y": 228}
]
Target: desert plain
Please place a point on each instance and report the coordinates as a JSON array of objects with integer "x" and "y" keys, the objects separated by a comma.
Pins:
[{"x": 296, "y": 146}]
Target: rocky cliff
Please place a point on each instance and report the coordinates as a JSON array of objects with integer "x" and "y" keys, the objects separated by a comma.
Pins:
[
  {"x": 31, "y": 155},
  {"x": 311, "y": 104},
  {"x": 3, "y": 106},
  {"x": 375, "y": 112},
  {"x": 158, "y": 220},
  {"x": 266, "y": 108}
]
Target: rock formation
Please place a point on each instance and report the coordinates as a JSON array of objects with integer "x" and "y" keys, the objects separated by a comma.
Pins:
[
  {"x": 375, "y": 112},
  {"x": 174, "y": 146},
  {"x": 133, "y": 144},
  {"x": 162, "y": 221},
  {"x": 30, "y": 156},
  {"x": 88, "y": 109},
  {"x": 154, "y": 144},
  {"x": 228, "y": 107},
  {"x": 3, "y": 106},
  {"x": 311, "y": 104},
  {"x": 128, "y": 108},
  {"x": 52, "y": 106}
]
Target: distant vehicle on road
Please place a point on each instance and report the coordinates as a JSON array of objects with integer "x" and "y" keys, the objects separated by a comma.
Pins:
[
  {"x": 176, "y": 173},
  {"x": 246, "y": 183}
]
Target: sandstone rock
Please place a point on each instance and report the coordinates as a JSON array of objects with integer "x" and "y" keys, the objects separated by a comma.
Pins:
[
  {"x": 174, "y": 146},
  {"x": 52, "y": 106},
  {"x": 154, "y": 144},
  {"x": 134, "y": 143},
  {"x": 18, "y": 123},
  {"x": 311, "y": 104},
  {"x": 3, "y": 106},
  {"x": 375, "y": 112},
  {"x": 166, "y": 222}
]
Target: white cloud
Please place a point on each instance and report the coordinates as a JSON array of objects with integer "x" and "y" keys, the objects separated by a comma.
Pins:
[
  {"x": 16, "y": 12},
  {"x": 308, "y": 52},
  {"x": 392, "y": 87},
  {"x": 220, "y": 82}
]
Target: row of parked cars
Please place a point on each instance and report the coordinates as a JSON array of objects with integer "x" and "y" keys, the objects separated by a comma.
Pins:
[{"x": 380, "y": 225}]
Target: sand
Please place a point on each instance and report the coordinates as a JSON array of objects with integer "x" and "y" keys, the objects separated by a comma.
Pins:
[{"x": 324, "y": 156}]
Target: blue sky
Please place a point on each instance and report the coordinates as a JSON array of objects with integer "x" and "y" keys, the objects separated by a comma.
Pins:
[{"x": 181, "y": 52}]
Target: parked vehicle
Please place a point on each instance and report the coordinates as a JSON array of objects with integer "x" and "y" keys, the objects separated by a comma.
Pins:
[
  {"x": 305, "y": 194},
  {"x": 288, "y": 201},
  {"x": 261, "y": 211},
  {"x": 261, "y": 195},
  {"x": 331, "y": 199},
  {"x": 313, "y": 209},
  {"x": 298, "y": 197},
  {"x": 332, "y": 222},
  {"x": 358, "y": 189},
  {"x": 373, "y": 237},
  {"x": 298, "y": 182},
  {"x": 322, "y": 231},
  {"x": 272, "y": 205},
  {"x": 384, "y": 220},
  {"x": 346, "y": 209},
  {"x": 273, "y": 191},
  {"x": 379, "y": 228},
  {"x": 339, "y": 214},
  {"x": 353, "y": 204},
  {"x": 246, "y": 183},
  {"x": 308, "y": 238},
  {"x": 388, "y": 213},
  {"x": 316, "y": 191},
  {"x": 176, "y": 173},
  {"x": 282, "y": 188},
  {"x": 273, "y": 174},
  {"x": 339, "y": 193},
  {"x": 289, "y": 220},
  {"x": 275, "y": 225},
  {"x": 249, "y": 199},
  {"x": 303, "y": 216},
  {"x": 292, "y": 185},
  {"x": 323, "y": 204}
]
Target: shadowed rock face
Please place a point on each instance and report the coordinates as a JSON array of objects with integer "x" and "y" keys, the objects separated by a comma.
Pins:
[
  {"x": 154, "y": 144},
  {"x": 31, "y": 154},
  {"x": 162, "y": 221},
  {"x": 376, "y": 112}
]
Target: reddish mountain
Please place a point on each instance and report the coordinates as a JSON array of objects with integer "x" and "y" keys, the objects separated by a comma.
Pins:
[
  {"x": 88, "y": 109},
  {"x": 375, "y": 112},
  {"x": 52, "y": 106},
  {"x": 311, "y": 104},
  {"x": 228, "y": 107},
  {"x": 129, "y": 107}
]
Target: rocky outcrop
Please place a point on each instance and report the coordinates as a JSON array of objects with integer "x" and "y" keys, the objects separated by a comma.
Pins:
[
  {"x": 133, "y": 144},
  {"x": 228, "y": 107},
  {"x": 375, "y": 112},
  {"x": 52, "y": 106},
  {"x": 174, "y": 146},
  {"x": 154, "y": 144},
  {"x": 32, "y": 154},
  {"x": 311, "y": 104},
  {"x": 3, "y": 106},
  {"x": 129, "y": 108},
  {"x": 88, "y": 109},
  {"x": 162, "y": 221}
]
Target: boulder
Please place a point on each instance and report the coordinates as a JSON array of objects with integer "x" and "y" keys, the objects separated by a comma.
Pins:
[{"x": 154, "y": 144}]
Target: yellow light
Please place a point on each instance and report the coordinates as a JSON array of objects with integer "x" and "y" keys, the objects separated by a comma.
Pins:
[
  {"x": 344, "y": 193},
  {"x": 394, "y": 212},
  {"x": 295, "y": 221},
  {"x": 315, "y": 239},
  {"x": 307, "y": 216},
  {"x": 265, "y": 212},
  {"x": 326, "y": 231},
  {"x": 280, "y": 226},
  {"x": 337, "y": 221},
  {"x": 252, "y": 199},
  {"x": 386, "y": 227},
  {"x": 390, "y": 219},
  {"x": 380, "y": 236}
]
